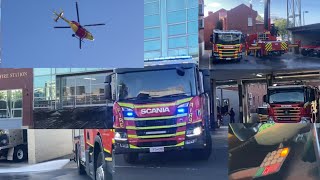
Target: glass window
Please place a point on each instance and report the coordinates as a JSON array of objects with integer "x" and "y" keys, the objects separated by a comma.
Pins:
[
  {"x": 151, "y": 8},
  {"x": 152, "y": 45},
  {"x": 41, "y": 71},
  {"x": 173, "y": 5},
  {"x": 178, "y": 52},
  {"x": 150, "y": 21},
  {"x": 192, "y": 27},
  {"x": 193, "y": 40},
  {"x": 98, "y": 78},
  {"x": 62, "y": 70},
  {"x": 152, "y": 54},
  {"x": 42, "y": 81},
  {"x": 151, "y": 33},
  {"x": 193, "y": 50},
  {"x": 78, "y": 69},
  {"x": 177, "y": 29},
  {"x": 193, "y": 3},
  {"x": 176, "y": 16},
  {"x": 177, "y": 42},
  {"x": 146, "y": 1},
  {"x": 83, "y": 90},
  {"x": 97, "y": 95},
  {"x": 193, "y": 14},
  {"x": 68, "y": 86}
]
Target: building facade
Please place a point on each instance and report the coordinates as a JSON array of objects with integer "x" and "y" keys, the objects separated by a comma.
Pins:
[
  {"x": 171, "y": 28},
  {"x": 16, "y": 97},
  {"x": 241, "y": 18}
]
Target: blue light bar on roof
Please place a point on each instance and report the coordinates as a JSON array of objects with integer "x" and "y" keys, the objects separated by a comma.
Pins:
[{"x": 169, "y": 60}]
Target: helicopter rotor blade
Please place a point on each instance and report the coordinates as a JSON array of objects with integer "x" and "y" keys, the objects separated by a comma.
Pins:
[
  {"x": 62, "y": 27},
  {"x": 77, "y": 12},
  {"x": 80, "y": 43},
  {"x": 102, "y": 24}
]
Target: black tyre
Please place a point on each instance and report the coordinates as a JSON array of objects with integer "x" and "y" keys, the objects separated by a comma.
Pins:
[
  {"x": 131, "y": 158},
  {"x": 81, "y": 168},
  {"x": 20, "y": 153},
  {"x": 304, "y": 52},
  {"x": 205, "y": 153}
]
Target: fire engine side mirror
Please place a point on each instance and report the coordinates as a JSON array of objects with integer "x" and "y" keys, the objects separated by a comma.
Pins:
[
  {"x": 211, "y": 38},
  {"x": 265, "y": 98},
  {"x": 107, "y": 92}
]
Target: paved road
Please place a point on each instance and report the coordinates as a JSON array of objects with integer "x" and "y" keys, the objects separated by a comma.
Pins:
[
  {"x": 68, "y": 172},
  {"x": 286, "y": 61},
  {"x": 173, "y": 166}
]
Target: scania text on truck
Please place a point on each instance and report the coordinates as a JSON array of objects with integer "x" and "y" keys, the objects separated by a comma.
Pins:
[
  {"x": 13, "y": 144},
  {"x": 93, "y": 152},
  {"x": 293, "y": 103},
  {"x": 160, "y": 107},
  {"x": 227, "y": 45}
]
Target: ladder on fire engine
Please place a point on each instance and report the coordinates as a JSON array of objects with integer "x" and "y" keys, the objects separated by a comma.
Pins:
[{"x": 263, "y": 37}]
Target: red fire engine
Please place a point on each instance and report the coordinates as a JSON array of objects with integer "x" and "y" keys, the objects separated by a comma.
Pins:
[
  {"x": 93, "y": 152},
  {"x": 264, "y": 44}
]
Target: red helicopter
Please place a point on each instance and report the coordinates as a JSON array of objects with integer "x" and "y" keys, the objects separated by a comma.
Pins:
[{"x": 79, "y": 31}]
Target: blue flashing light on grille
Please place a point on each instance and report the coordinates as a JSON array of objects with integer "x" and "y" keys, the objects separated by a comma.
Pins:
[
  {"x": 182, "y": 110},
  {"x": 129, "y": 114}
]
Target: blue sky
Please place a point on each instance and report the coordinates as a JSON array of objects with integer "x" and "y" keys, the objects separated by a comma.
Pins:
[
  {"x": 278, "y": 7},
  {"x": 29, "y": 39}
]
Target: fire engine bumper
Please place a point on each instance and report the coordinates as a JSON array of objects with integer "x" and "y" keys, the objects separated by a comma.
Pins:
[
  {"x": 216, "y": 57},
  {"x": 189, "y": 143}
]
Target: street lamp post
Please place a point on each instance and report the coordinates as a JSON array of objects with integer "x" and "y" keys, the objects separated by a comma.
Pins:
[{"x": 304, "y": 23}]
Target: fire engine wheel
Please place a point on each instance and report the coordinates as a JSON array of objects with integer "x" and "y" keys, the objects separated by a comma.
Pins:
[
  {"x": 304, "y": 52},
  {"x": 20, "y": 153},
  {"x": 205, "y": 153},
  {"x": 100, "y": 171},
  {"x": 81, "y": 168},
  {"x": 131, "y": 158}
]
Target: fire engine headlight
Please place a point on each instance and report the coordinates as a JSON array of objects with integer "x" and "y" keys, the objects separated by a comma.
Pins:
[
  {"x": 4, "y": 142},
  {"x": 120, "y": 136},
  {"x": 194, "y": 132},
  {"x": 183, "y": 108},
  {"x": 127, "y": 112},
  {"x": 305, "y": 120}
]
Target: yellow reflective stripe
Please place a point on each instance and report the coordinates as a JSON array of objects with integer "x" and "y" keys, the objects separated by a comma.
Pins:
[
  {"x": 130, "y": 105},
  {"x": 90, "y": 144},
  {"x": 113, "y": 141},
  {"x": 183, "y": 100},
  {"x": 155, "y": 118},
  {"x": 199, "y": 120},
  {"x": 106, "y": 150},
  {"x": 177, "y": 145},
  {"x": 108, "y": 158},
  {"x": 157, "y": 136},
  {"x": 155, "y": 127}
]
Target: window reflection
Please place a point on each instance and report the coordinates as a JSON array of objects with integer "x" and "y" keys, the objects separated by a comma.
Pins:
[{"x": 11, "y": 103}]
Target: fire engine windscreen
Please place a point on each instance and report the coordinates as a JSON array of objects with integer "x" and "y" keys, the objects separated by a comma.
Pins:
[
  {"x": 158, "y": 84},
  {"x": 286, "y": 96},
  {"x": 228, "y": 38}
]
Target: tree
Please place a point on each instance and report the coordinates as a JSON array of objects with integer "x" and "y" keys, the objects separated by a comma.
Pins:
[
  {"x": 259, "y": 18},
  {"x": 281, "y": 25},
  {"x": 219, "y": 25}
]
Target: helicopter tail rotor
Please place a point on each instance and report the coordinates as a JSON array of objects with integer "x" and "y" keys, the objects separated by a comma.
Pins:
[{"x": 58, "y": 15}]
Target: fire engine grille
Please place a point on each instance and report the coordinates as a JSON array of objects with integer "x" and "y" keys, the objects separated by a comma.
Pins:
[
  {"x": 155, "y": 144},
  {"x": 287, "y": 114},
  {"x": 228, "y": 52},
  {"x": 156, "y": 131},
  {"x": 162, "y": 122}
]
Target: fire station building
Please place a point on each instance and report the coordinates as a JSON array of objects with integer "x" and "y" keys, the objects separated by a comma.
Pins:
[{"x": 241, "y": 18}]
